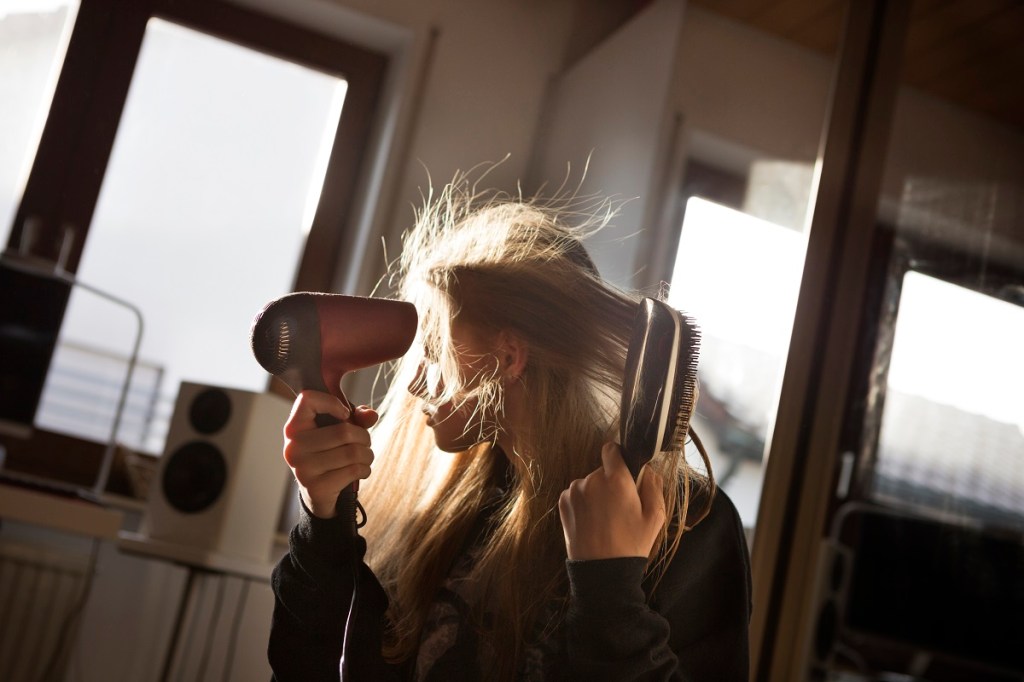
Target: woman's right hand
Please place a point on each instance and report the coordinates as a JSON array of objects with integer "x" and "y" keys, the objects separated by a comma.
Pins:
[{"x": 326, "y": 460}]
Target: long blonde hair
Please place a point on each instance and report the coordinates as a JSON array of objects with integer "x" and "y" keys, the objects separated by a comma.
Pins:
[{"x": 499, "y": 263}]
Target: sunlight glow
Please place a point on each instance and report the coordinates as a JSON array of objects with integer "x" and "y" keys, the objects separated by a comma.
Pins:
[{"x": 743, "y": 280}]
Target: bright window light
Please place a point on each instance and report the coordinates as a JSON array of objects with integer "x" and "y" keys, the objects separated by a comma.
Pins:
[{"x": 960, "y": 348}]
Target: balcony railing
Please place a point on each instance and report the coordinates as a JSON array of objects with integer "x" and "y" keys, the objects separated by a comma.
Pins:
[{"x": 81, "y": 395}]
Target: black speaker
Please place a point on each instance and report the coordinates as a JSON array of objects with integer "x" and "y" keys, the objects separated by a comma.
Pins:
[{"x": 221, "y": 481}]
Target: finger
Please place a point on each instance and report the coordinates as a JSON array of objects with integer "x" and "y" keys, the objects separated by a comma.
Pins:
[
  {"x": 313, "y": 403},
  {"x": 321, "y": 495},
  {"x": 575, "y": 492},
  {"x": 309, "y": 466},
  {"x": 365, "y": 416},
  {"x": 323, "y": 448},
  {"x": 328, "y": 438},
  {"x": 652, "y": 498},
  {"x": 568, "y": 519},
  {"x": 332, "y": 482},
  {"x": 564, "y": 507},
  {"x": 319, "y": 446},
  {"x": 571, "y": 497},
  {"x": 611, "y": 460},
  {"x": 308, "y": 404}
]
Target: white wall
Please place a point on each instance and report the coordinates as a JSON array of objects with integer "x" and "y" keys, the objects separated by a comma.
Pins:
[
  {"x": 609, "y": 115},
  {"x": 752, "y": 90}
]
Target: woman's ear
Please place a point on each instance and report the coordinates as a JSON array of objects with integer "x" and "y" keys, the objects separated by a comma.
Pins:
[{"x": 513, "y": 353}]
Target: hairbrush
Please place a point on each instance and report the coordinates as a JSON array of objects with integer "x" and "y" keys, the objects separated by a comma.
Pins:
[{"x": 659, "y": 388}]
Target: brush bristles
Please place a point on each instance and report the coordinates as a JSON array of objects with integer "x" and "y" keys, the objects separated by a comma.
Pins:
[{"x": 684, "y": 388}]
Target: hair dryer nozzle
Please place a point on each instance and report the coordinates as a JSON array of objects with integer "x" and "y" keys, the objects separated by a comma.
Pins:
[{"x": 311, "y": 340}]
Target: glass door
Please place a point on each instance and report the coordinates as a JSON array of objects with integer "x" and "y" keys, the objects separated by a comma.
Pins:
[{"x": 923, "y": 570}]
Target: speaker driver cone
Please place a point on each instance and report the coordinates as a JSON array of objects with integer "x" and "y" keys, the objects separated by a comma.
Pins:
[
  {"x": 210, "y": 411},
  {"x": 194, "y": 477}
]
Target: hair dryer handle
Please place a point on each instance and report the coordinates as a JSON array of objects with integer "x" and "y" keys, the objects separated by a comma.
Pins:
[{"x": 347, "y": 505}]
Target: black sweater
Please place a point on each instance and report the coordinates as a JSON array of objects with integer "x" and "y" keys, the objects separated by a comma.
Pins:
[{"x": 693, "y": 628}]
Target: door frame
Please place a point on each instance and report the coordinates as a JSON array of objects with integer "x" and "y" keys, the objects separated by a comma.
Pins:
[{"x": 804, "y": 455}]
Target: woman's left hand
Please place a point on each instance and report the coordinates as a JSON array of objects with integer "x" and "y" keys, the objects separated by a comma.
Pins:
[{"x": 607, "y": 515}]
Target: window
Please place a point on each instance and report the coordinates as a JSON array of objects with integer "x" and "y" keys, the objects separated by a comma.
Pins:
[
  {"x": 952, "y": 425},
  {"x": 198, "y": 160},
  {"x": 202, "y": 217},
  {"x": 739, "y": 276}
]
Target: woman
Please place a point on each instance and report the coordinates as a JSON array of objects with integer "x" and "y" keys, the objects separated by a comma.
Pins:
[{"x": 506, "y": 538}]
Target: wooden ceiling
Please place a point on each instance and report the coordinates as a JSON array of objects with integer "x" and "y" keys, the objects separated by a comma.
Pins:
[{"x": 970, "y": 52}]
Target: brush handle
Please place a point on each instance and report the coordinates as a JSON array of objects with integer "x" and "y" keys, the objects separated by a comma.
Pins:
[
  {"x": 348, "y": 503},
  {"x": 651, "y": 352}
]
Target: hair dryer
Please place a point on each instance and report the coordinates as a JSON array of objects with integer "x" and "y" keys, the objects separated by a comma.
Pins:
[{"x": 311, "y": 340}]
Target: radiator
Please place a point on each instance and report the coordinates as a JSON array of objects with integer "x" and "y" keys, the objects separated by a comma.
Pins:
[{"x": 41, "y": 595}]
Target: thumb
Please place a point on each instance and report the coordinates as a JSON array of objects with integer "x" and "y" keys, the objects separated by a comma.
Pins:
[{"x": 364, "y": 416}]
